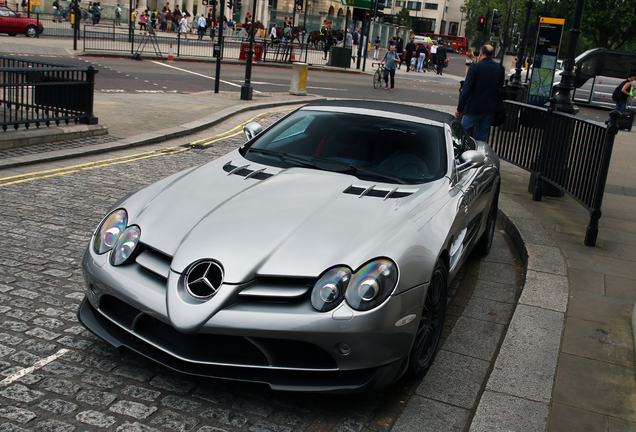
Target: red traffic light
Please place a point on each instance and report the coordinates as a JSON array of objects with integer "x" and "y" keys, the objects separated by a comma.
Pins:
[{"x": 482, "y": 20}]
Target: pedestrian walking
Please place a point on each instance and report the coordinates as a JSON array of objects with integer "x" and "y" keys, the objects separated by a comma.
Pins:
[
  {"x": 433, "y": 53},
  {"x": 169, "y": 19},
  {"x": 481, "y": 94},
  {"x": 329, "y": 42},
  {"x": 409, "y": 53},
  {"x": 163, "y": 16},
  {"x": 399, "y": 50},
  {"x": 421, "y": 57},
  {"x": 470, "y": 58},
  {"x": 441, "y": 59},
  {"x": 89, "y": 15},
  {"x": 390, "y": 60},
  {"x": 273, "y": 34},
  {"x": 118, "y": 15},
  {"x": 202, "y": 23},
  {"x": 622, "y": 93},
  {"x": 183, "y": 26},
  {"x": 57, "y": 15},
  {"x": 143, "y": 21},
  {"x": 376, "y": 49}
]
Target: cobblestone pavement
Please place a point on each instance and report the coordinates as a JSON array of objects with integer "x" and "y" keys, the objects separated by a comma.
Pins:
[
  {"x": 58, "y": 145},
  {"x": 61, "y": 378}
]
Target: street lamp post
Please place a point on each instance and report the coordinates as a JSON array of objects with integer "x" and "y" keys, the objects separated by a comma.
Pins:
[
  {"x": 246, "y": 88},
  {"x": 563, "y": 99}
]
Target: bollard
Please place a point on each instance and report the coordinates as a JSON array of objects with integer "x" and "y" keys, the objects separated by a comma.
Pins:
[{"x": 298, "y": 79}]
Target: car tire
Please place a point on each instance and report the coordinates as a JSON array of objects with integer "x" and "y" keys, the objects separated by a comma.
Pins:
[
  {"x": 31, "y": 31},
  {"x": 429, "y": 329},
  {"x": 484, "y": 244}
]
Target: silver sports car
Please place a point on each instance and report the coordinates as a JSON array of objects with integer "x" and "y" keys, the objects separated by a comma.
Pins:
[{"x": 316, "y": 257}]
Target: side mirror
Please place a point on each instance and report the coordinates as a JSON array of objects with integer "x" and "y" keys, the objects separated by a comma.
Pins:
[
  {"x": 471, "y": 159},
  {"x": 252, "y": 129}
]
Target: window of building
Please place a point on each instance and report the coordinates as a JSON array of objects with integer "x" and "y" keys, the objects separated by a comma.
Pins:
[
  {"x": 432, "y": 6},
  {"x": 453, "y": 28},
  {"x": 414, "y": 6}
]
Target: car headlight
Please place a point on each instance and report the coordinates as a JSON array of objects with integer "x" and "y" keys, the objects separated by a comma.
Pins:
[
  {"x": 363, "y": 290},
  {"x": 125, "y": 246},
  {"x": 109, "y": 231},
  {"x": 330, "y": 289},
  {"x": 372, "y": 284}
]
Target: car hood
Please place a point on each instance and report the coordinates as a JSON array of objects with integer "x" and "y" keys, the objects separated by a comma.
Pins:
[{"x": 298, "y": 222}]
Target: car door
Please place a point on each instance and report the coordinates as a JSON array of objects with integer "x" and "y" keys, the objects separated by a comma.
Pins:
[
  {"x": 8, "y": 21},
  {"x": 460, "y": 193},
  {"x": 474, "y": 185}
]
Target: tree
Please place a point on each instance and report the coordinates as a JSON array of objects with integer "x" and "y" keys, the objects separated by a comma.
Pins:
[
  {"x": 404, "y": 17},
  {"x": 606, "y": 23}
]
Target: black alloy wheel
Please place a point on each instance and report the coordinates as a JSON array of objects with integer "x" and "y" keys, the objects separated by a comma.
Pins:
[{"x": 431, "y": 323}]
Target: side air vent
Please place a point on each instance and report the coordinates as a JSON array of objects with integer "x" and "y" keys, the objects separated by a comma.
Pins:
[
  {"x": 374, "y": 192},
  {"x": 245, "y": 172}
]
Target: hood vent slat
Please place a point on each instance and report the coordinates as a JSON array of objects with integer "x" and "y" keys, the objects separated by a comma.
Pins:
[
  {"x": 372, "y": 191},
  {"x": 245, "y": 172}
]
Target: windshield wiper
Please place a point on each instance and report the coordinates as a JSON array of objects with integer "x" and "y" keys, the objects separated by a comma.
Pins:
[
  {"x": 357, "y": 168},
  {"x": 284, "y": 156},
  {"x": 312, "y": 163}
]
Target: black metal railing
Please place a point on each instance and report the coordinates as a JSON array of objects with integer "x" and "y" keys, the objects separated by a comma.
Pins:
[
  {"x": 109, "y": 38},
  {"x": 562, "y": 151},
  {"x": 42, "y": 93}
]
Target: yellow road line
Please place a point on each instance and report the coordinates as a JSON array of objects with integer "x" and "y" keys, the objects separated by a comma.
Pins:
[{"x": 21, "y": 178}]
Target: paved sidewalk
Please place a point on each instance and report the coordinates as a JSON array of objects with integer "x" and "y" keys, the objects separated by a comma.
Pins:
[{"x": 567, "y": 360}]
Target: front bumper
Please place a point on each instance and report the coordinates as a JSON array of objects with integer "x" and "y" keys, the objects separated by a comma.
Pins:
[{"x": 316, "y": 381}]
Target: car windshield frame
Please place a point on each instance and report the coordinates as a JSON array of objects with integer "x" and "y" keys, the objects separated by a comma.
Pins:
[{"x": 370, "y": 145}]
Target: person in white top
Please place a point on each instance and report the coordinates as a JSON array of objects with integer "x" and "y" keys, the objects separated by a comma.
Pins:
[
  {"x": 183, "y": 26},
  {"x": 202, "y": 25},
  {"x": 273, "y": 33}
]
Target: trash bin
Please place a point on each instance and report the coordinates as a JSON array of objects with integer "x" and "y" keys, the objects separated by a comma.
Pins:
[{"x": 340, "y": 57}]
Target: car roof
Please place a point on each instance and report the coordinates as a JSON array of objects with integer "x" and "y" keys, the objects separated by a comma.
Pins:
[{"x": 402, "y": 109}]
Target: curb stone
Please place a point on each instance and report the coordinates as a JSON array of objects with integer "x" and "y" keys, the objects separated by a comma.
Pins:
[{"x": 519, "y": 389}]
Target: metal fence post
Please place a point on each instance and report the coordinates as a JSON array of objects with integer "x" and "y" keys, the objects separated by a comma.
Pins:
[
  {"x": 591, "y": 233},
  {"x": 90, "y": 91}
]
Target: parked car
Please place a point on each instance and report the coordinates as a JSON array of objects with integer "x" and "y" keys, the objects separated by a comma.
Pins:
[
  {"x": 11, "y": 22},
  {"x": 316, "y": 257}
]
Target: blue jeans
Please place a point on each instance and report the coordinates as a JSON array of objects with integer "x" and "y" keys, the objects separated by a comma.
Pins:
[
  {"x": 482, "y": 121},
  {"x": 420, "y": 62}
]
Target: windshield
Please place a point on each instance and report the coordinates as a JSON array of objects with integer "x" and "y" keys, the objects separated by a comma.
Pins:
[{"x": 393, "y": 151}]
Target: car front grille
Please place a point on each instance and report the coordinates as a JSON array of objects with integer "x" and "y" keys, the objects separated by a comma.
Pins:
[{"x": 216, "y": 349}]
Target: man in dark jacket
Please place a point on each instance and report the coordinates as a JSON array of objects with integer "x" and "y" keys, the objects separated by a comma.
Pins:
[
  {"x": 409, "y": 53},
  {"x": 441, "y": 58},
  {"x": 481, "y": 94}
]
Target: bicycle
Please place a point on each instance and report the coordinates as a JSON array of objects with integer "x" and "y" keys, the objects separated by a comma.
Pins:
[{"x": 378, "y": 77}]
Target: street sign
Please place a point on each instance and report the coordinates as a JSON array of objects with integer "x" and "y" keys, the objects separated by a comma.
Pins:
[
  {"x": 546, "y": 53},
  {"x": 362, "y": 4},
  {"x": 494, "y": 39}
]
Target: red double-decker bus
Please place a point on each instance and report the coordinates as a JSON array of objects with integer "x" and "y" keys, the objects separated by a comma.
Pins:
[{"x": 456, "y": 42}]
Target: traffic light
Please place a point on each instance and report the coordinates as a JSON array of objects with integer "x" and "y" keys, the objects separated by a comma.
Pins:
[
  {"x": 481, "y": 24},
  {"x": 379, "y": 7},
  {"x": 237, "y": 5},
  {"x": 494, "y": 23},
  {"x": 515, "y": 39},
  {"x": 299, "y": 5}
]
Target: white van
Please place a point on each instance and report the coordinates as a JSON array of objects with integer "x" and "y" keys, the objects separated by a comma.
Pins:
[{"x": 598, "y": 72}]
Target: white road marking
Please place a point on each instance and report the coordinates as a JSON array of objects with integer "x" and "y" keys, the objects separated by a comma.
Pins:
[
  {"x": 287, "y": 85},
  {"x": 36, "y": 365},
  {"x": 201, "y": 75}
]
